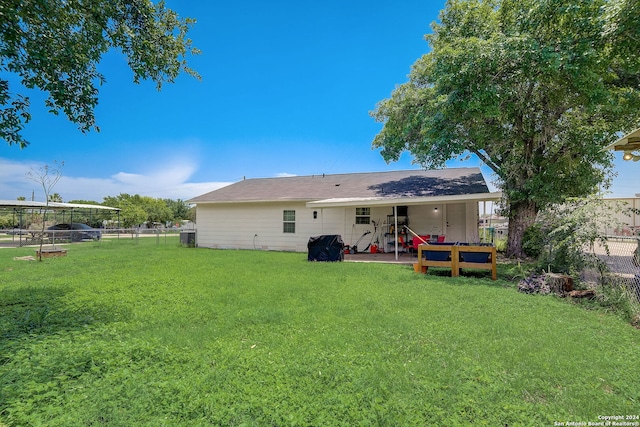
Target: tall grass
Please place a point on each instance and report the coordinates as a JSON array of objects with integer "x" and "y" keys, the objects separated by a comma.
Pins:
[{"x": 127, "y": 332}]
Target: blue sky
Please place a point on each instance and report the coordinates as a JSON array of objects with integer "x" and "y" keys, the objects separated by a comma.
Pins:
[{"x": 286, "y": 90}]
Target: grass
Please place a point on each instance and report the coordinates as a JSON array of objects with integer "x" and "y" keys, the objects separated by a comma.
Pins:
[{"x": 123, "y": 333}]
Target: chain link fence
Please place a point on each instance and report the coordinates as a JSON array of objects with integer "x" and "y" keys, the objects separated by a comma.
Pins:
[
  {"x": 18, "y": 238},
  {"x": 619, "y": 260}
]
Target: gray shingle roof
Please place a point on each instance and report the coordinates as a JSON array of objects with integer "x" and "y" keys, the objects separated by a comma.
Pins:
[{"x": 393, "y": 184}]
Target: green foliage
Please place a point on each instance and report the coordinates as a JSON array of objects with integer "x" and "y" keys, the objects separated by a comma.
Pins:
[
  {"x": 534, "y": 88},
  {"x": 533, "y": 241},
  {"x": 501, "y": 245},
  {"x": 128, "y": 332},
  {"x": 55, "y": 197},
  {"x": 191, "y": 214},
  {"x": 138, "y": 209},
  {"x": 562, "y": 233},
  {"x": 8, "y": 221},
  {"x": 622, "y": 27},
  {"x": 55, "y": 46},
  {"x": 616, "y": 295},
  {"x": 179, "y": 209}
]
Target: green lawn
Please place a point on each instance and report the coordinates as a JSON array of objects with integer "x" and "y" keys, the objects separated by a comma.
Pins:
[{"x": 136, "y": 333}]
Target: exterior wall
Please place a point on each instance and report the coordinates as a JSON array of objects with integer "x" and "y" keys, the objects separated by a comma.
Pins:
[
  {"x": 352, "y": 232},
  {"x": 472, "y": 217},
  {"x": 427, "y": 219},
  {"x": 260, "y": 225},
  {"x": 628, "y": 222}
]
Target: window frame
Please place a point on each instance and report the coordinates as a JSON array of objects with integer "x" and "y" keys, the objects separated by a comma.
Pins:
[
  {"x": 289, "y": 221},
  {"x": 363, "y": 216}
]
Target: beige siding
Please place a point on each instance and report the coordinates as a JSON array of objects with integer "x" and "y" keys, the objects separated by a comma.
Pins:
[
  {"x": 472, "y": 223},
  {"x": 616, "y": 223},
  {"x": 251, "y": 226},
  {"x": 426, "y": 219},
  {"x": 456, "y": 223},
  {"x": 260, "y": 226}
]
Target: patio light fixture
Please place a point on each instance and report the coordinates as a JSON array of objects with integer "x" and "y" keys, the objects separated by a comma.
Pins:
[
  {"x": 629, "y": 144},
  {"x": 628, "y": 155}
]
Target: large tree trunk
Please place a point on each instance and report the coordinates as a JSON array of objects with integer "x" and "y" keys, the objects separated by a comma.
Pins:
[{"x": 521, "y": 216}]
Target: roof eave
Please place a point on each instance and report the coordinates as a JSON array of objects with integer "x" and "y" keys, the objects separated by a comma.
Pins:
[
  {"x": 629, "y": 142},
  {"x": 404, "y": 201},
  {"x": 235, "y": 202}
]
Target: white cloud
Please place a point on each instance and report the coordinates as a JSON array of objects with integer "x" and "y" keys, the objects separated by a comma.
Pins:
[
  {"x": 163, "y": 181},
  {"x": 284, "y": 175}
]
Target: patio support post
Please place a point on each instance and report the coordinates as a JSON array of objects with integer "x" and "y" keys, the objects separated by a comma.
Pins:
[
  {"x": 395, "y": 228},
  {"x": 13, "y": 225},
  {"x": 21, "y": 225}
]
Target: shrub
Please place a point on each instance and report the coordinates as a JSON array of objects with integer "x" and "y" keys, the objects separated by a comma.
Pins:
[
  {"x": 501, "y": 245},
  {"x": 561, "y": 233},
  {"x": 620, "y": 295}
]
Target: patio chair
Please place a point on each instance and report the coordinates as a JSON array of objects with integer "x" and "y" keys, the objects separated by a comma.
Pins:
[
  {"x": 408, "y": 247},
  {"x": 420, "y": 240}
]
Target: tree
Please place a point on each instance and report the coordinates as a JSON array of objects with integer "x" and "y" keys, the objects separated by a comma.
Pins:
[
  {"x": 191, "y": 214},
  {"x": 47, "y": 176},
  {"x": 137, "y": 209},
  {"x": 55, "y": 46},
  {"x": 156, "y": 209},
  {"x": 131, "y": 213},
  {"x": 179, "y": 209},
  {"x": 621, "y": 26},
  {"x": 534, "y": 88},
  {"x": 55, "y": 197}
]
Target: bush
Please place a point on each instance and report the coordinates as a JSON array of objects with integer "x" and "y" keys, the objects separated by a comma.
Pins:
[
  {"x": 501, "y": 245},
  {"x": 620, "y": 295},
  {"x": 562, "y": 231}
]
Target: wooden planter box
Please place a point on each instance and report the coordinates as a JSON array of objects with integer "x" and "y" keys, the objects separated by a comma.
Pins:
[
  {"x": 51, "y": 253},
  {"x": 456, "y": 257}
]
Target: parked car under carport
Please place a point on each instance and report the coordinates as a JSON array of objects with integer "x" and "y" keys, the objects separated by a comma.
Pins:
[{"x": 76, "y": 232}]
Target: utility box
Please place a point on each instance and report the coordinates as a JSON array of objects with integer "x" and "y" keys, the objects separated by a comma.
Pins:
[{"x": 188, "y": 238}]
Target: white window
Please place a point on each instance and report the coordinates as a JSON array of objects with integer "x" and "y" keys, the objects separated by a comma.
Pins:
[
  {"x": 288, "y": 221},
  {"x": 363, "y": 215}
]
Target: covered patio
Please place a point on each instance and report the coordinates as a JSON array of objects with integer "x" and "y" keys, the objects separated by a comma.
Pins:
[{"x": 455, "y": 216}]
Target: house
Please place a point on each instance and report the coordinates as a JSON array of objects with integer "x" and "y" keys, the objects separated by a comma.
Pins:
[{"x": 283, "y": 213}]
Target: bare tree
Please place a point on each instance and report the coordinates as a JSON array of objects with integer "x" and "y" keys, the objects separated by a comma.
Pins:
[{"x": 47, "y": 176}]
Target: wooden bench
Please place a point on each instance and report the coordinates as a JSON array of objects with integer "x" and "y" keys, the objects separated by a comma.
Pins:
[{"x": 459, "y": 256}]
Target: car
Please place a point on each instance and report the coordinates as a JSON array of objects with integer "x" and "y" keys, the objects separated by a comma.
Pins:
[
  {"x": 17, "y": 232},
  {"x": 76, "y": 232}
]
